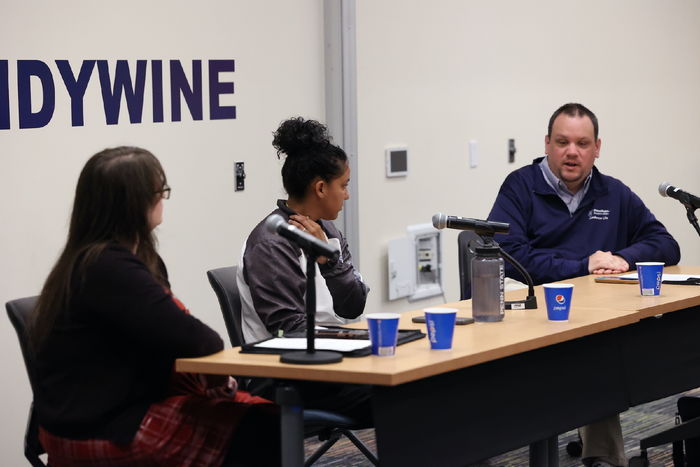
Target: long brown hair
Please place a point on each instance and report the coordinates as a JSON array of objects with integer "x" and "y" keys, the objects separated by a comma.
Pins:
[{"x": 116, "y": 190}]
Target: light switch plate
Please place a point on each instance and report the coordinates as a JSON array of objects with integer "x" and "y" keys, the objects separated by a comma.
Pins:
[{"x": 473, "y": 153}]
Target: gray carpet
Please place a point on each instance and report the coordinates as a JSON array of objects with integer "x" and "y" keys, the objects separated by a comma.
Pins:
[{"x": 637, "y": 423}]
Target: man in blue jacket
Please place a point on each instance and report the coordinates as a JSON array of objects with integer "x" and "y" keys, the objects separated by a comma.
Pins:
[{"x": 567, "y": 219}]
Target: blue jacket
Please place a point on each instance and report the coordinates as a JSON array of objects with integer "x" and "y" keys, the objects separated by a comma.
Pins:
[{"x": 553, "y": 244}]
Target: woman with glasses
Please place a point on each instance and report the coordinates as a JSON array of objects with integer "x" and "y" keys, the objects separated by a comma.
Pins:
[{"x": 107, "y": 330}]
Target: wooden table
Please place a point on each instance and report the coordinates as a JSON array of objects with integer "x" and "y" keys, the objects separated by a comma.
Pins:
[
  {"x": 502, "y": 385},
  {"x": 673, "y": 297}
]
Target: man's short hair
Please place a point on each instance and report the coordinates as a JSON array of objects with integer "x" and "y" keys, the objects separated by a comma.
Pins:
[{"x": 574, "y": 110}]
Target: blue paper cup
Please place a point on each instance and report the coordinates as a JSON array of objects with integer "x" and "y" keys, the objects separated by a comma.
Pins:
[
  {"x": 441, "y": 326},
  {"x": 383, "y": 332},
  {"x": 650, "y": 275},
  {"x": 558, "y": 300}
]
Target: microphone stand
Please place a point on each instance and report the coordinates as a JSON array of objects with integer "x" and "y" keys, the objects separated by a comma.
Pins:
[
  {"x": 311, "y": 356},
  {"x": 530, "y": 302},
  {"x": 690, "y": 211}
]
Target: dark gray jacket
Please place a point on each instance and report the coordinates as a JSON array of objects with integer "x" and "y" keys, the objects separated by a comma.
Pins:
[{"x": 276, "y": 281}]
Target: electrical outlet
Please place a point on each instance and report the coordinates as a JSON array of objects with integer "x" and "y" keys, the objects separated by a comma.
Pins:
[
  {"x": 511, "y": 150},
  {"x": 239, "y": 173}
]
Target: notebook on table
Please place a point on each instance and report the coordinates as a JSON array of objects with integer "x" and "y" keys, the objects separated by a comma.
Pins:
[{"x": 350, "y": 342}]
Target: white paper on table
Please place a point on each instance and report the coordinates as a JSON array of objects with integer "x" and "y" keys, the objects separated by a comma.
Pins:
[
  {"x": 299, "y": 343},
  {"x": 666, "y": 277}
]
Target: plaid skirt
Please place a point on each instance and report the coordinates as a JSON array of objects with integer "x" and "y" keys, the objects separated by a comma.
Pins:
[{"x": 183, "y": 430}]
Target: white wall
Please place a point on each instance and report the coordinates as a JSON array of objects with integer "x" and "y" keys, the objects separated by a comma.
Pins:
[
  {"x": 431, "y": 75},
  {"x": 278, "y": 51},
  {"x": 434, "y": 75}
]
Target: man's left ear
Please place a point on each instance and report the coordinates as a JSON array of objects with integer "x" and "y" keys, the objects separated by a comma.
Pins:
[{"x": 597, "y": 148}]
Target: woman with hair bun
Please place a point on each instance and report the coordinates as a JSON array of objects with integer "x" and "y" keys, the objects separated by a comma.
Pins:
[{"x": 271, "y": 277}]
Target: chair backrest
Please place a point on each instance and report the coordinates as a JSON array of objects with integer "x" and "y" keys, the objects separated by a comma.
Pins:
[
  {"x": 19, "y": 311},
  {"x": 223, "y": 281},
  {"x": 465, "y": 250}
]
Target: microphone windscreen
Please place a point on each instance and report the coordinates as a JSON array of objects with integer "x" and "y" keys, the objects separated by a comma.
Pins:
[
  {"x": 439, "y": 221},
  {"x": 273, "y": 223},
  {"x": 663, "y": 189}
]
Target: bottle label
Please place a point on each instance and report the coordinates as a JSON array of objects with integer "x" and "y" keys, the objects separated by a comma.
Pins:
[{"x": 501, "y": 280}]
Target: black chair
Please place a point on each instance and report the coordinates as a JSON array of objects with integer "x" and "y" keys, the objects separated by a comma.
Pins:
[
  {"x": 688, "y": 430},
  {"x": 465, "y": 250},
  {"x": 223, "y": 281},
  {"x": 328, "y": 426},
  {"x": 18, "y": 311}
]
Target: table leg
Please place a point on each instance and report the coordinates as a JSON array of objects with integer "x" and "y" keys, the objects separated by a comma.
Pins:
[
  {"x": 545, "y": 453},
  {"x": 292, "y": 426},
  {"x": 553, "y": 448}
]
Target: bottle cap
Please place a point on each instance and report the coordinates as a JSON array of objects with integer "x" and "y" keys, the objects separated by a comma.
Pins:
[{"x": 488, "y": 251}]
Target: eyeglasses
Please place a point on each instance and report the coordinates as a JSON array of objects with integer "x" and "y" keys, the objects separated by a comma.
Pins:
[{"x": 165, "y": 192}]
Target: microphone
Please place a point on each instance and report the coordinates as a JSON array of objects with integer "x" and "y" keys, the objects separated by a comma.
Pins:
[
  {"x": 688, "y": 200},
  {"x": 307, "y": 242},
  {"x": 486, "y": 229},
  {"x": 440, "y": 221}
]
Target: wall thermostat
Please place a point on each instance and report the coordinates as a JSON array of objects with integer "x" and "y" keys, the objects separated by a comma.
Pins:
[{"x": 397, "y": 162}]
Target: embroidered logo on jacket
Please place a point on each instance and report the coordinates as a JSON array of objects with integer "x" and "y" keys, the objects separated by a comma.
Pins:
[{"x": 598, "y": 214}]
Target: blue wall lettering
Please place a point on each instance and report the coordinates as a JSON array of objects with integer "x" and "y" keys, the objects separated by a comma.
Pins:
[
  {"x": 157, "y": 83},
  {"x": 216, "y": 88},
  {"x": 76, "y": 88},
  {"x": 179, "y": 85},
  {"x": 25, "y": 70},
  {"x": 122, "y": 83},
  {"x": 111, "y": 98},
  {"x": 4, "y": 96}
]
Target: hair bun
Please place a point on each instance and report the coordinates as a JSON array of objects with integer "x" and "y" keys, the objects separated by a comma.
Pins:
[{"x": 297, "y": 136}]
